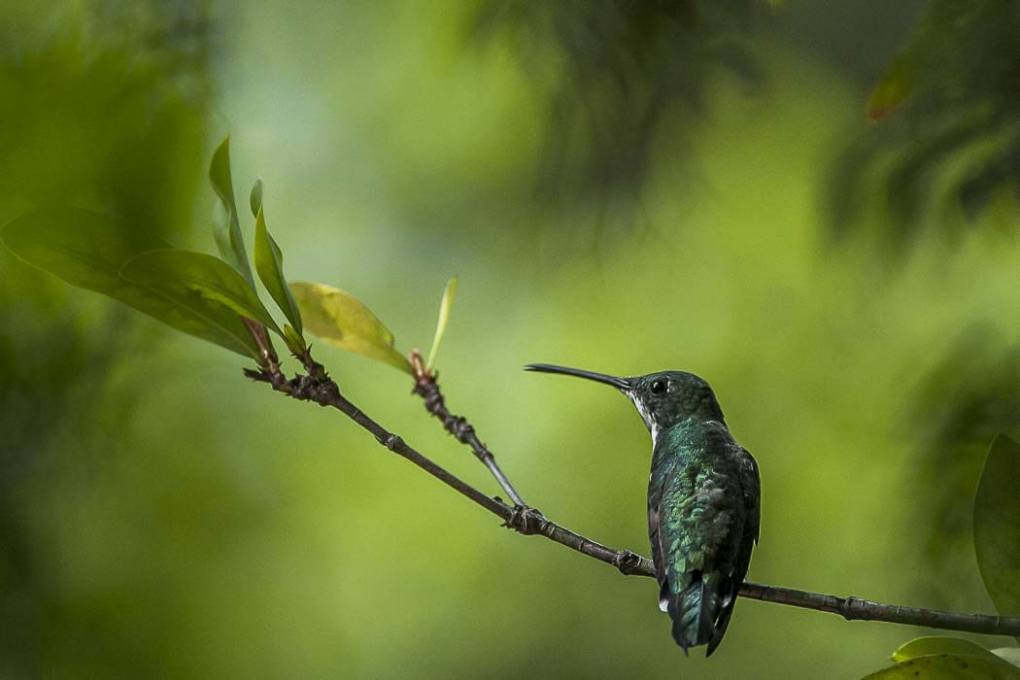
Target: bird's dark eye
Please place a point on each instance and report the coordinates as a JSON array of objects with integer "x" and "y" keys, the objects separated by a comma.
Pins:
[{"x": 658, "y": 386}]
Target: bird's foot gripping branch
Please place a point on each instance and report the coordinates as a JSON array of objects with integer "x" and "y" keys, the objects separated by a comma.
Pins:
[{"x": 215, "y": 299}]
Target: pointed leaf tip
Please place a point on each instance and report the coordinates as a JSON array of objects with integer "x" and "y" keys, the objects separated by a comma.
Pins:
[
  {"x": 229, "y": 240},
  {"x": 255, "y": 198}
]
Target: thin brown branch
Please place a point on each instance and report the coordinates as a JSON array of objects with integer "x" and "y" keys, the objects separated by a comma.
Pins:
[
  {"x": 426, "y": 387},
  {"x": 857, "y": 609},
  {"x": 319, "y": 388}
]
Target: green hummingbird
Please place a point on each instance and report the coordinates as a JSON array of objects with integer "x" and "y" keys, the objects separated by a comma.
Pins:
[{"x": 704, "y": 500}]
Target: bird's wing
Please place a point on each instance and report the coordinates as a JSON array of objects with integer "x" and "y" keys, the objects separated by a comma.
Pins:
[
  {"x": 751, "y": 489},
  {"x": 658, "y": 484},
  {"x": 750, "y": 481}
]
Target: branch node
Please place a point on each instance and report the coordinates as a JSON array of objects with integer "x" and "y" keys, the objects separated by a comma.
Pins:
[
  {"x": 526, "y": 520},
  {"x": 851, "y": 607},
  {"x": 393, "y": 442},
  {"x": 627, "y": 562},
  {"x": 427, "y": 387}
]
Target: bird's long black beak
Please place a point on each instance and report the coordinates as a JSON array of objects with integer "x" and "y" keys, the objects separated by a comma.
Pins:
[{"x": 619, "y": 383}]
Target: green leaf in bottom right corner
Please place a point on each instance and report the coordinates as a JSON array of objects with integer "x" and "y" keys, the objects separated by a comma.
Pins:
[
  {"x": 933, "y": 645},
  {"x": 1008, "y": 654},
  {"x": 997, "y": 525},
  {"x": 948, "y": 667},
  {"x": 935, "y": 657}
]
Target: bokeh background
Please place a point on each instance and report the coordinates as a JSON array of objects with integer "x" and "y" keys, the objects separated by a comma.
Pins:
[{"x": 620, "y": 186}]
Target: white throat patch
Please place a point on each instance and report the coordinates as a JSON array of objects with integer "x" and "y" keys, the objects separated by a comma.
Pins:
[{"x": 645, "y": 416}]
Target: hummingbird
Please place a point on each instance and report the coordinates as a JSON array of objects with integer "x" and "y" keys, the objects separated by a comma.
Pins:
[{"x": 704, "y": 500}]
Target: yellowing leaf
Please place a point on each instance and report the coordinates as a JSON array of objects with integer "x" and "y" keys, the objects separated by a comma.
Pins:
[
  {"x": 1008, "y": 654},
  {"x": 341, "y": 319},
  {"x": 934, "y": 645},
  {"x": 948, "y": 667},
  {"x": 449, "y": 295}
]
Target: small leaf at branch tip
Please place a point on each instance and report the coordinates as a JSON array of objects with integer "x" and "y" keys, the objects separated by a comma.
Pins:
[
  {"x": 445, "y": 305},
  {"x": 255, "y": 198},
  {"x": 342, "y": 320}
]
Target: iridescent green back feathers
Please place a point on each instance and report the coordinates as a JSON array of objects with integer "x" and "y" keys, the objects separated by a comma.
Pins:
[{"x": 702, "y": 523}]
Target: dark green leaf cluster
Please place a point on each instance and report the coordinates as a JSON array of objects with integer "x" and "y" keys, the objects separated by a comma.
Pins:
[
  {"x": 948, "y": 121},
  {"x": 210, "y": 298}
]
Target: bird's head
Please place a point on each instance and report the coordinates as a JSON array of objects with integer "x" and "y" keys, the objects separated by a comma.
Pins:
[{"x": 663, "y": 399}]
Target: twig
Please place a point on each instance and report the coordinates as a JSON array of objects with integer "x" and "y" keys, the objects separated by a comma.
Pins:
[
  {"x": 318, "y": 387},
  {"x": 857, "y": 609},
  {"x": 426, "y": 387}
]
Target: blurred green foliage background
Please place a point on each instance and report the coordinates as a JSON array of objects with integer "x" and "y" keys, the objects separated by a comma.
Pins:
[{"x": 161, "y": 516}]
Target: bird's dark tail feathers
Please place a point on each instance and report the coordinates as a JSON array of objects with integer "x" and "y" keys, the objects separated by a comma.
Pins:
[{"x": 701, "y": 611}]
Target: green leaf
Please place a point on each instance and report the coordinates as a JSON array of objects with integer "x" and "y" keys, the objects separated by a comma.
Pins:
[
  {"x": 892, "y": 89},
  {"x": 449, "y": 294},
  {"x": 934, "y": 645},
  {"x": 193, "y": 280},
  {"x": 1008, "y": 654},
  {"x": 294, "y": 340},
  {"x": 269, "y": 264},
  {"x": 229, "y": 240},
  {"x": 948, "y": 667},
  {"x": 342, "y": 320},
  {"x": 997, "y": 525},
  {"x": 88, "y": 250}
]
